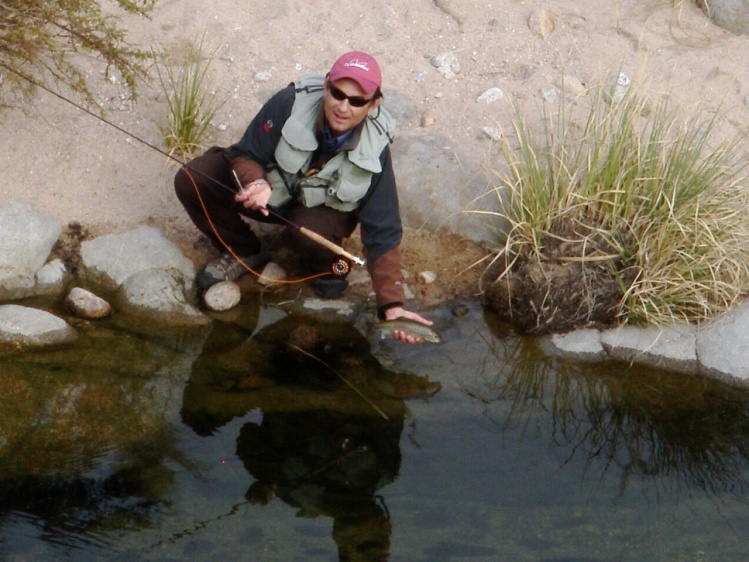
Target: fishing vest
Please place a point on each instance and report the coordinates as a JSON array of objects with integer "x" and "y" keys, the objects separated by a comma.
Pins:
[{"x": 343, "y": 180}]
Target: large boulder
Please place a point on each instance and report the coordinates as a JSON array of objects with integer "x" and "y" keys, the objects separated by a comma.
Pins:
[
  {"x": 665, "y": 347},
  {"x": 732, "y": 15},
  {"x": 23, "y": 327},
  {"x": 110, "y": 259},
  {"x": 723, "y": 344},
  {"x": 27, "y": 239},
  {"x": 438, "y": 187}
]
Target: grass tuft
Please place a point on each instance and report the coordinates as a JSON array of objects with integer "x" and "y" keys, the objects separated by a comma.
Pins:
[
  {"x": 637, "y": 187},
  {"x": 190, "y": 109}
]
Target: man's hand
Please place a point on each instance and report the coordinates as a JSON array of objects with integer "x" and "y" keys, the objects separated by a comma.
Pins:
[
  {"x": 255, "y": 195},
  {"x": 400, "y": 312}
]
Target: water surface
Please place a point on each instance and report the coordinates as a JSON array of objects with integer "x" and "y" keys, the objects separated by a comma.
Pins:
[{"x": 232, "y": 444}]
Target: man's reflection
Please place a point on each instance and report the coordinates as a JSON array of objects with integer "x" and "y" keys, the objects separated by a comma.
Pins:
[
  {"x": 327, "y": 464},
  {"x": 329, "y": 439}
]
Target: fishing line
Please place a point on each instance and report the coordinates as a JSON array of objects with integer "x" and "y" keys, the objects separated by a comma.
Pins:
[
  {"x": 344, "y": 379},
  {"x": 187, "y": 168}
]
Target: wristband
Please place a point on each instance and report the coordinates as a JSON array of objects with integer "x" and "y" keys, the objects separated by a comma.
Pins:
[{"x": 385, "y": 307}]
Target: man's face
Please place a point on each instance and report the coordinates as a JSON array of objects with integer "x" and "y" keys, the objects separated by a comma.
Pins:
[{"x": 342, "y": 114}]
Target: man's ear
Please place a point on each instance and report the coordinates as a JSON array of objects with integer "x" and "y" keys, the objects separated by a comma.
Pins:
[{"x": 373, "y": 106}]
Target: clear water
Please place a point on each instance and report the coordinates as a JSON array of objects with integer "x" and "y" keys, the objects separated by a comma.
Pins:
[{"x": 142, "y": 444}]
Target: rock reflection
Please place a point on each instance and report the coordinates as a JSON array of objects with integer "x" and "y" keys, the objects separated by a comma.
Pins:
[
  {"x": 657, "y": 427},
  {"x": 325, "y": 446},
  {"x": 84, "y": 431}
]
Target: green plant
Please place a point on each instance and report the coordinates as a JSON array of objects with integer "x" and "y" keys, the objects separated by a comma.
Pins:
[
  {"x": 39, "y": 40},
  {"x": 190, "y": 109},
  {"x": 632, "y": 191}
]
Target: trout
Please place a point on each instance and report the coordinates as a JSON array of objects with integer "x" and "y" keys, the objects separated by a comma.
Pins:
[{"x": 384, "y": 330}]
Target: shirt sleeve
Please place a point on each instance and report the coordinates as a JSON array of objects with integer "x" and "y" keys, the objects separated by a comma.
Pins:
[
  {"x": 264, "y": 131},
  {"x": 381, "y": 232}
]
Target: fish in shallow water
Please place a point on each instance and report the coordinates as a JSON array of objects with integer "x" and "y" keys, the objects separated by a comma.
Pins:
[{"x": 384, "y": 330}]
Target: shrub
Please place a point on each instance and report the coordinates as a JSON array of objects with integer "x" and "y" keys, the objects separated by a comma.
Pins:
[
  {"x": 643, "y": 217},
  {"x": 40, "y": 40}
]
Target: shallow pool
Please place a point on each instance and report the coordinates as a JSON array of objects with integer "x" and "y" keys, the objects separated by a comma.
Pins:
[{"x": 271, "y": 437}]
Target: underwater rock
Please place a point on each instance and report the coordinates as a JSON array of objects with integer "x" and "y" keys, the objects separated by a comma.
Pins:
[{"x": 22, "y": 326}]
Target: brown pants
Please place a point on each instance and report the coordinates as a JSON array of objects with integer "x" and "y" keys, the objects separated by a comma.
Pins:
[{"x": 220, "y": 221}]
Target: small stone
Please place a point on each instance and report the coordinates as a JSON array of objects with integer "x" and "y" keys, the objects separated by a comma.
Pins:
[
  {"x": 426, "y": 277},
  {"x": 541, "y": 22},
  {"x": 263, "y": 76},
  {"x": 222, "y": 296},
  {"x": 549, "y": 94},
  {"x": 623, "y": 82},
  {"x": 571, "y": 85},
  {"x": 85, "y": 304},
  {"x": 51, "y": 276},
  {"x": 446, "y": 64},
  {"x": 493, "y": 133},
  {"x": 427, "y": 120},
  {"x": 491, "y": 95},
  {"x": 271, "y": 274},
  {"x": 460, "y": 310}
]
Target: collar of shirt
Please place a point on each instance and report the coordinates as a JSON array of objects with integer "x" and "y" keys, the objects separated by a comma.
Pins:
[{"x": 331, "y": 143}]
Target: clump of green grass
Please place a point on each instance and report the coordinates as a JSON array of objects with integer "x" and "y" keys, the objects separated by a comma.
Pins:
[
  {"x": 638, "y": 188},
  {"x": 190, "y": 108}
]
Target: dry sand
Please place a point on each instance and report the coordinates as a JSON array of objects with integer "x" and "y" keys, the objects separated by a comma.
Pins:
[{"x": 79, "y": 169}]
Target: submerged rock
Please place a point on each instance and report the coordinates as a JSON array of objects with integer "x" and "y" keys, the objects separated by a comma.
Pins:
[
  {"x": 22, "y": 326},
  {"x": 159, "y": 295}
]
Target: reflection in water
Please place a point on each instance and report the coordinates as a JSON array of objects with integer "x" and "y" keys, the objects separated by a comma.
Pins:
[
  {"x": 327, "y": 464},
  {"x": 662, "y": 428},
  {"x": 84, "y": 437},
  {"x": 96, "y": 461},
  {"x": 329, "y": 439}
]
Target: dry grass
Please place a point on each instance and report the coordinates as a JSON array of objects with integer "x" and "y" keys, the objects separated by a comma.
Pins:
[
  {"x": 190, "y": 108},
  {"x": 635, "y": 185}
]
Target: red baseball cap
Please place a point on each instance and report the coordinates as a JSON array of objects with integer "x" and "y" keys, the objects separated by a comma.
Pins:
[{"x": 359, "y": 67}]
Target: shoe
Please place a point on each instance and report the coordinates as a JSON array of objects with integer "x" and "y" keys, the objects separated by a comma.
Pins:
[
  {"x": 330, "y": 287},
  {"x": 227, "y": 268}
]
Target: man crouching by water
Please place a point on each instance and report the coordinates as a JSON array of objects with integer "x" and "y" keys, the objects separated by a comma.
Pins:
[{"x": 318, "y": 154}]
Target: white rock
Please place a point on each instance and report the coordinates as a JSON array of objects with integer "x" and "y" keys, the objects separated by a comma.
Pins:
[
  {"x": 580, "y": 345},
  {"x": 426, "y": 277},
  {"x": 493, "y": 133},
  {"x": 571, "y": 85},
  {"x": 541, "y": 22},
  {"x": 272, "y": 273},
  {"x": 224, "y": 295},
  {"x": 446, "y": 64},
  {"x": 491, "y": 95},
  {"x": 31, "y": 327},
  {"x": 671, "y": 347},
  {"x": 85, "y": 304},
  {"x": 549, "y": 94}
]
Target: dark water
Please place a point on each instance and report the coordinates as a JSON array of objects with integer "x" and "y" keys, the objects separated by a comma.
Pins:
[{"x": 232, "y": 444}]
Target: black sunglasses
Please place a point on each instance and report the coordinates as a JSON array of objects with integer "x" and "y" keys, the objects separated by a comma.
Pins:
[{"x": 354, "y": 101}]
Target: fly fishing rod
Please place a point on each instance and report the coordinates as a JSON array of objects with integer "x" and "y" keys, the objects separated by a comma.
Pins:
[{"x": 314, "y": 236}]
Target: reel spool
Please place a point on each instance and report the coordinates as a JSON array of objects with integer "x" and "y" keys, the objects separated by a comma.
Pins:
[{"x": 340, "y": 267}]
